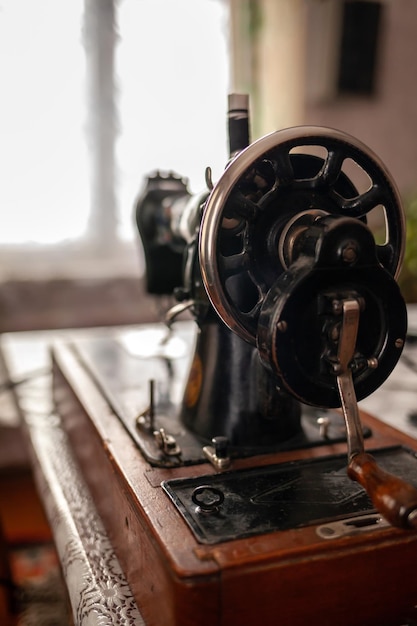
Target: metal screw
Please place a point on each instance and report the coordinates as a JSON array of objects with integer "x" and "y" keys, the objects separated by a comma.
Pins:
[
  {"x": 282, "y": 326},
  {"x": 167, "y": 443},
  {"x": 337, "y": 368},
  {"x": 350, "y": 252},
  {"x": 218, "y": 453},
  {"x": 221, "y": 445},
  {"x": 324, "y": 424},
  {"x": 334, "y": 333},
  {"x": 337, "y": 307},
  {"x": 399, "y": 343}
]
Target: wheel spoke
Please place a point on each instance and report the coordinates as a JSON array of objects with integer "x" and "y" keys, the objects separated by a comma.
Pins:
[
  {"x": 234, "y": 264},
  {"x": 283, "y": 167},
  {"x": 331, "y": 169},
  {"x": 253, "y": 314},
  {"x": 362, "y": 204},
  {"x": 385, "y": 254},
  {"x": 239, "y": 205}
]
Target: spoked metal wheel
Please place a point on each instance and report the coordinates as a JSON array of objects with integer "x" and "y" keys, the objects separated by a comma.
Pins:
[{"x": 282, "y": 182}]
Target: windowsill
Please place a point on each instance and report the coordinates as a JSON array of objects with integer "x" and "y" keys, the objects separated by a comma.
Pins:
[
  {"x": 74, "y": 303},
  {"x": 71, "y": 285},
  {"x": 79, "y": 259}
]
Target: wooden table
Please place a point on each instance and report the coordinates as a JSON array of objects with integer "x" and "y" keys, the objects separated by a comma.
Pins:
[{"x": 97, "y": 587}]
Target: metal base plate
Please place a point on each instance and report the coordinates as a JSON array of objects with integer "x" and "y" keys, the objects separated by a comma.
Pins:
[
  {"x": 122, "y": 368},
  {"x": 243, "y": 503}
]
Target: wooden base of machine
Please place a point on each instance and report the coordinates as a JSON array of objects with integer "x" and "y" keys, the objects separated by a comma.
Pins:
[{"x": 295, "y": 576}]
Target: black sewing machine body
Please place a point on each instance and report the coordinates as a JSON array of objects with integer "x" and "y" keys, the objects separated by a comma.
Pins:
[{"x": 219, "y": 440}]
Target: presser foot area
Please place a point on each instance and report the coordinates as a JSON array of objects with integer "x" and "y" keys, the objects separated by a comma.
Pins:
[{"x": 144, "y": 391}]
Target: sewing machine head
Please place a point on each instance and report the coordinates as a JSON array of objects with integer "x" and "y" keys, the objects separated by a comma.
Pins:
[
  {"x": 295, "y": 299},
  {"x": 272, "y": 252}
]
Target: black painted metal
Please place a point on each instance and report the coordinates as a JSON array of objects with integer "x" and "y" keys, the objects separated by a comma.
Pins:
[
  {"x": 279, "y": 497},
  {"x": 123, "y": 379}
]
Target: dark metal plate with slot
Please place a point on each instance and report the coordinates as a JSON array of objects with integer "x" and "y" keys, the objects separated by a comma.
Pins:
[{"x": 281, "y": 497}]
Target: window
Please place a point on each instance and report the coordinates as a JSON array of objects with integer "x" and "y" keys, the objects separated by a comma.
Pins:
[
  {"x": 62, "y": 211},
  {"x": 343, "y": 45},
  {"x": 359, "y": 47}
]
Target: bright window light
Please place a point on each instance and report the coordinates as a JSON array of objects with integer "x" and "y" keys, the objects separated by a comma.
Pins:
[
  {"x": 173, "y": 72},
  {"x": 43, "y": 165},
  {"x": 172, "y": 77}
]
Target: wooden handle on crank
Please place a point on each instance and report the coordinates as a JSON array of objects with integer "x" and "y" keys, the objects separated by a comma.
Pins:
[{"x": 394, "y": 498}]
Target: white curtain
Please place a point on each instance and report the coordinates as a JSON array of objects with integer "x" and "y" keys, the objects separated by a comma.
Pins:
[
  {"x": 172, "y": 78},
  {"x": 43, "y": 157}
]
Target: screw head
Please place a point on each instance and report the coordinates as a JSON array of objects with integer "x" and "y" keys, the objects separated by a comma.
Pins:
[
  {"x": 221, "y": 445},
  {"x": 350, "y": 252},
  {"x": 373, "y": 363}
]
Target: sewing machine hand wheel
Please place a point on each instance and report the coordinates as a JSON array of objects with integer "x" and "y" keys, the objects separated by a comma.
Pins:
[
  {"x": 268, "y": 192},
  {"x": 284, "y": 232}
]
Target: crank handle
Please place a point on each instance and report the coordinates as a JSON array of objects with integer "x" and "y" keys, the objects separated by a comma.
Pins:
[{"x": 394, "y": 498}]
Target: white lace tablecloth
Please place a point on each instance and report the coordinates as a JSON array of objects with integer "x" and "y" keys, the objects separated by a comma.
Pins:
[{"x": 98, "y": 591}]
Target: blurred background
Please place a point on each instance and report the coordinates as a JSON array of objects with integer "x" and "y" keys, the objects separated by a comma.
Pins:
[{"x": 95, "y": 94}]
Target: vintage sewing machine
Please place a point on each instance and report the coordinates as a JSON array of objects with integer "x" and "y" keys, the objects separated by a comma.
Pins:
[{"x": 233, "y": 487}]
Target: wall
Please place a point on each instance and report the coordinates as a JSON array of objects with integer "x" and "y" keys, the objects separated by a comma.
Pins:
[{"x": 386, "y": 122}]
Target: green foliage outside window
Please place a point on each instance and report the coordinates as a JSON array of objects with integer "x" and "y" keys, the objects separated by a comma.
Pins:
[{"x": 408, "y": 276}]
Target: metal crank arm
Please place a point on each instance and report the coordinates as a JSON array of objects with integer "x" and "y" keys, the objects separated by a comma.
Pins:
[{"x": 395, "y": 499}]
